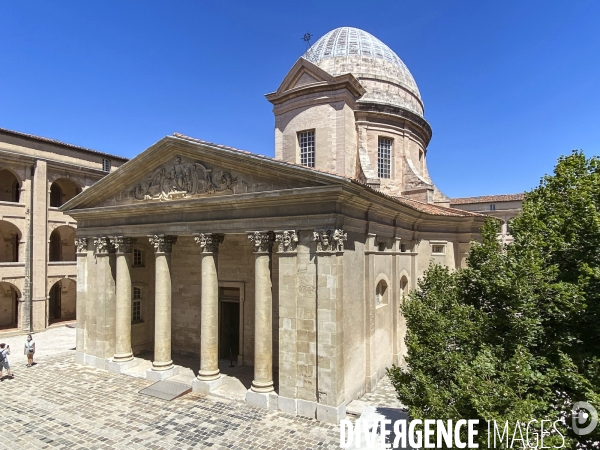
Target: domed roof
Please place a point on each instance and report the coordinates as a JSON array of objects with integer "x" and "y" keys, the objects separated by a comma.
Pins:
[{"x": 381, "y": 72}]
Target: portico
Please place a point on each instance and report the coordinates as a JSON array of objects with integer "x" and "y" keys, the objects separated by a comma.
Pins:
[{"x": 318, "y": 282}]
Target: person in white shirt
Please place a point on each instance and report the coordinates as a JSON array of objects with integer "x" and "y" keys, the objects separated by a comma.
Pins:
[
  {"x": 4, "y": 352},
  {"x": 29, "y": 350}
]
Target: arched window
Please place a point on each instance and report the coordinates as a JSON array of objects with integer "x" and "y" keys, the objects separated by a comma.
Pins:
[
  {"x": 136, "y": 305},
  {"x": 10, "y": 187},
  {"x": 381, "y": 293},
  {"x": 403, "y": 287},
  {"x": 138, "y": 258}
]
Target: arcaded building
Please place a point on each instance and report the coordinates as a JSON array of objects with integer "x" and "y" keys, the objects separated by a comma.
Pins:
[
  {"x": 295, "y": 265},
  {"x": 38, "y": 268}
]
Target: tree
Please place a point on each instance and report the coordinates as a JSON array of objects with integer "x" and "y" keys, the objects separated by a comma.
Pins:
[{"x": 516, "y": 334}]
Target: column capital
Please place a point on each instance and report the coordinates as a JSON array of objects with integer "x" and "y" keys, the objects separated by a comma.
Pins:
[
  {"x": 330, "y": 240},
  {"x": 103, "y": 246},
  {"x": 288, "y": 239},
  {"x": 162, "y": 243},
  {"x": 122, "y": 244},
  {"x": 81, "y": 245},
  {"x": 209, "y": 242},
  {"x": 262, "y": 240}
]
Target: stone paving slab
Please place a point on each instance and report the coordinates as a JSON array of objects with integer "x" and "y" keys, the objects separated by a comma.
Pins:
[
  {"x": 166, "y": 390},
  {"x": 58, "y": 404}
]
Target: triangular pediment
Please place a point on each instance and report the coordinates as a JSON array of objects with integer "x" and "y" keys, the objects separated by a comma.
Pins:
[
  {"x": 306, "y": 75},
  {"x": 302, "y": 73},
  {"x": 178, "y": 168}
]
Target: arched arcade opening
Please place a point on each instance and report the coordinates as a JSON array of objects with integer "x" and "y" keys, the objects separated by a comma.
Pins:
[
  {"x": 62, "y": 244},
  {"x": 62, "y": 301},
  {"x": 61, "y": 191},
  {"x": 9, "y": 305},
  {"x": 10, "y": 186},
  {"x": 10, "y": 237}
]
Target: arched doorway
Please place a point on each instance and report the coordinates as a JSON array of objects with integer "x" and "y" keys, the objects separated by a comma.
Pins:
[
  {"x": 62, "y": 301},
  {"x": 62, "y": 244},
  {"x": 9, "y": 305},
  {"x": 9, "y": 242},
  {"x": 61, "y": 191},
  {"x": 10, "y": 186}
]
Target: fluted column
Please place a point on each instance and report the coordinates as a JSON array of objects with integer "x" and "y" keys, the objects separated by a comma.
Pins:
[
  {"x": 263, "y": 311},
  {"x": 123, "y": 247},
  {"x": 209, "y": 314},
  {"x": 162, "y": 301}
]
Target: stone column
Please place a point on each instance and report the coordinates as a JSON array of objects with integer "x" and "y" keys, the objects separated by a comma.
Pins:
[
  {"x": 162, "y": 302},
  {"x": 80, "y": 309},
  {"x": 105, "y": 302},
  {"x": 209, "y": 315},
  {"x": 123, "y": 247},
  {"x": 263, "y": 314}
]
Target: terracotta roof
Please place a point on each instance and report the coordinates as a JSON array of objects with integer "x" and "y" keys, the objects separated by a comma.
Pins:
[
  {"x": 427, "y": 208},
  {"x": 487, "y": 199},
  {"x": 63, "y": 144},
  {"x": 437, "y": 210}
]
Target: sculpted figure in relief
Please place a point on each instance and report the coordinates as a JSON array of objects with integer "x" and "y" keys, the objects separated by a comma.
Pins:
[{"x": 183, "y": 179}]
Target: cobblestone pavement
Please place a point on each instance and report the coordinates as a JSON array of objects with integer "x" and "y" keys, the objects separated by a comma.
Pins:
[{"x": 58, "y": 405}]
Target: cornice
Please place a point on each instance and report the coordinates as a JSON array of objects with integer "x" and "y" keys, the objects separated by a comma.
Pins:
[
  {"x": 346, "y": 81},
  {"x": 395, "y": 111}
]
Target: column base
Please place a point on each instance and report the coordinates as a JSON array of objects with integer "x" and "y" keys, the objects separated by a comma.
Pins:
[
  {"x": 262, "y": 387},
  {"x": 157, "y": 375},
  {"x": 209, "y": 375},
  {"x": 264, "y": 400},
  {"x": 162, "y": 365},
  {"x": 116, "y": 366},
  {"x": 205, "y": 387},
  {"x": 123, "y": 357}
]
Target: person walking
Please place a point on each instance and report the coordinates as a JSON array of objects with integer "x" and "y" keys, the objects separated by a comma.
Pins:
[
  {"x": 29, "y": 350},
  {"x": 4, "y": 352}
]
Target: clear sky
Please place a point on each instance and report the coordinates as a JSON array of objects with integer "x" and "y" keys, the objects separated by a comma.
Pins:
[{"x": 508, "y": 86}]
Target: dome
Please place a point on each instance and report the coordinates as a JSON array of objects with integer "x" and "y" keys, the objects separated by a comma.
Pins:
[{"x": 382, "y": 73}]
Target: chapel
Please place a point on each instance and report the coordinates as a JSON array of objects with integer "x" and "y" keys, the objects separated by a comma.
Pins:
[{"x": 293, "y": 266}]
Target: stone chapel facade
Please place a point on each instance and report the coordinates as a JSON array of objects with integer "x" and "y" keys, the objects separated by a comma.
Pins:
[{"x": 314, "y": 248}]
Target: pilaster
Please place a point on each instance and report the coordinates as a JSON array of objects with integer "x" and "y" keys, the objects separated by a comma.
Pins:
[
  {"x": 81, "y": 246},
  {"x": 288, "y": 293},
  {"x": 330, "y": 329},
  {"x": 39, "y": 267}
]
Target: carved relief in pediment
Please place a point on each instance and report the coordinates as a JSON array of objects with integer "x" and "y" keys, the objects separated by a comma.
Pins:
[{"x": 183, "y": 179}]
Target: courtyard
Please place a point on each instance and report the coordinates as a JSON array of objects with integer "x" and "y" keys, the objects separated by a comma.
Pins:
[{"x": 60, "y": 404}]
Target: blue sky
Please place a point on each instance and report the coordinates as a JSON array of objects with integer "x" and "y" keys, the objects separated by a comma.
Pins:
[{"x": 508, "y": 86}]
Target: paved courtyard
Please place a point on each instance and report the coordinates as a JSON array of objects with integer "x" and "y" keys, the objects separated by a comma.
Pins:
[{"x": 59, "y": 404}]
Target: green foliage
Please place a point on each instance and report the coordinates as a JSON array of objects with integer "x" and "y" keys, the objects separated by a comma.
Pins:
[{"x": 516, "y": 334}]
